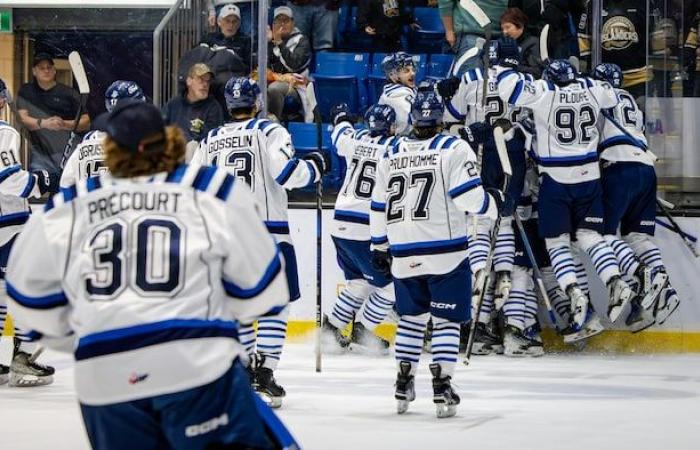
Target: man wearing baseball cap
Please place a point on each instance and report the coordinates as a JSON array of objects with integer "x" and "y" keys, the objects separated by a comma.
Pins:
[
  {"x": 230, "y": 35},
  {"x": 47, "y": 109},
  {"x": 195, "y": 111}
]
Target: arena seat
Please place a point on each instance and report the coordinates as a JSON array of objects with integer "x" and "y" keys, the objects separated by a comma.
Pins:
[
  {"x": 430, "y": 38},
  {"x": 341, "y": 78},
  {"x": 305, "y": 140},
  {"x": 438, "y": 66}
]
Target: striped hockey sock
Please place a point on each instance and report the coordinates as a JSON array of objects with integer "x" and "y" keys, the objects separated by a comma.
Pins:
[
  {"x": 531, "y": 307},
  {"x": 377, "y": 307},
  {"x": 479, "y": 245},
  {"x": 560, "y": 302},
  {"x": 487, "y": 304},
  {"x": 624, "y": 254},
  {"x": 563, "y": 265},
  {"x": 604, "y": 260},
  {"x": 409, "y": 340},
  {"x": 246, "y": 336},
  {"x": 348, "y": 303},
  {"x": 581, "y": 274},
  {"x": 646, "y": 250},
  {"x": 514, "y": 308},
  {"x": 270, "y": 340},
  {"x": 504, "y": 252},
  {"x": 445, "y": 344}
]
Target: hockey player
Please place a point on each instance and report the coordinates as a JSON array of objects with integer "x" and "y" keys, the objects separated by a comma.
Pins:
[
  {"x": 368, "y": 294},
  {"x": 16, "y": 186},
  {"x": 260, "y": 153},
  {"x": 400, "y": 71},
  {"x": 566, "y": 109},
  {"x": 144, "y": 273},
  {"x": 629, "y": 184},
  {"x": 87, "y": 159},
  {"x": 418, "y": 225}
]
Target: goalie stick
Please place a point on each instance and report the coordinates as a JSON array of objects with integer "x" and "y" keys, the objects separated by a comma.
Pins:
[{"x": 76, "y": 66}]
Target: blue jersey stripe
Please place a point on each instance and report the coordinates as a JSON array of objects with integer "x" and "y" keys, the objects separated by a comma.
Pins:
[
  {"x": 516, "y": 92},
  {"x": 176, "y": 175},
  {"x": 31, "y": 182},
  {"x": 19, "y": 218},
  {"x": 287, "y": 171},
  {"x": 8, "y": 172},
  {"x": 379, "y": 240},
  {"x": 42, "y": 302},
  {"x": 69, "y": 193},
  {"x": 465, "y": 187},
  {"x": 203, "y": 178},
  {"x": 93, "y": 183},
  {"x": 277, "y": 227},
  {"x": 429, "y": 247},
  {"x": 377, "y": 206},
  {"x": 225, "y": 188},
  {"x": 271, "y": 272},
  {"x": 567, "y": 161},
  {"x": 351, "y": 216}
]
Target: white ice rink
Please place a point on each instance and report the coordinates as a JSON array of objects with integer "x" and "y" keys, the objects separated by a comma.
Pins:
[{"x": 557, "y": 402}]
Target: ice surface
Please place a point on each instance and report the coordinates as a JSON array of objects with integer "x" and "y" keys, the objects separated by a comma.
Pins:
[{"x": 557, "y": 402}]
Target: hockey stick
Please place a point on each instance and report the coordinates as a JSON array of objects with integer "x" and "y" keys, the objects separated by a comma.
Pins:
[
  {"x": 544, "y": 37},
  {"x": 677, "y": 229},
  {"x": 507, "y": 173},
  {"x": 469, "y": 54},
  {"x": 311, "y": 96},
  {"x": 76, "y": 66}
]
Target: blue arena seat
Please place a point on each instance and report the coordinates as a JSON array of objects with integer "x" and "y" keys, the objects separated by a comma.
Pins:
[
  {"x": 304, "y": 139},
  {"x": 351, "y": 38},
  {"x": 430, "y": 38},
  {"x": 439, "y": 66},
  {"x": 341, "y": 77}
]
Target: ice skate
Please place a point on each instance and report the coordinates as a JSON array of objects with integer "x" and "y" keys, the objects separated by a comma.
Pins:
[
  {"x": 620, "y": 295},
  {"x": 517, "y": 344},
  {"x": 504, "y": 283},
  {"x": 334, "y": 342},
  {"x": 266, "y": 385},
  {"x": 651, "y": 284},
  {"x": 639, "y": 319},
  {"x": 24, "y": 372},
  {"x": 536, "y": 346},
  {"x": 444, "y": 397},
  {"x": 485, "y": 341},
  {"x": 405, "y": 387},
  {"x": 579, "y": 305},
  {"x": 4, "y": 374},
  {"x": 366, "y": 342},
  {"x": 668, "y": 303},
  {"x": 591, "y": 327}
]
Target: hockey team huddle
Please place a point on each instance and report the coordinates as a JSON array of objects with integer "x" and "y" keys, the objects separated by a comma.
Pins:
[{"x": 153, "y": 272}]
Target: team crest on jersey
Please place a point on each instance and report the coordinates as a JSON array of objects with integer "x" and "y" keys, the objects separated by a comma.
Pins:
[{"x": 619, "y": 33}]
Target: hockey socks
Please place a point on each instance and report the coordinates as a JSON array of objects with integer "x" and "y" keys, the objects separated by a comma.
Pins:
[
  {"x": 444, "y": 346},
  {"x": 272, "y": 331},
  {"x": 349, "y": 303},
  {"x": 377, "y": 307},
  {"x": 409, "y": 340}
]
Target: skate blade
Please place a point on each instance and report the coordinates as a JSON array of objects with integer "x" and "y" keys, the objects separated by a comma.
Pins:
[
  {"x": 367, "y": 350},
  {"x": 662, "y": 315},
  {"x": 580, "y": 318},
  {"x": 535, "y": 353},
  {"x": 642, "y": 325},
  {"x": 614, "y": 311},
  {"x": 402, "y": 406},
  {"x": 657, "y": 285},
  {"x": 444, "y": 410},
  {"x": 272, "y": 402},
  {"x": 589, "y": 331},
  {"x": 515, "y": 353},
  {"x": 24, "y": 380}
]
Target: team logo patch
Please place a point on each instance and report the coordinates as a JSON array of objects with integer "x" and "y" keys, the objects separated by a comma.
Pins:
[{"x": 619, "y": 33}]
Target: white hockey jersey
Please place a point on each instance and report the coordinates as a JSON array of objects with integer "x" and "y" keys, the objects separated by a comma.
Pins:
[
  {"x": 362, "y": 153},
  {"x": 400, "y": 98},
  {"x": 16, "y": 185},
  {"x": 86, "y": 160},
  {"x": 259, "y": 152},
  {"x": 615, "y": 144},
  {"x": 466, "y": 105},
  {"x": 565, "y": 122},
  {"x": 148, "y": 277},
  {"x": 423, "y": 189}
]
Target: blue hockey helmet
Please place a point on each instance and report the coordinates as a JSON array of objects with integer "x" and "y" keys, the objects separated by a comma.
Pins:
[
  {"x": 393, "y": 62},
  {"x": 122, "y": 90},
  {"x": 241, "y": 92},
  {"x": 380, "y": 119},
  {"x": 559, "y": 71},
  {"x": 610, "y": 73},
  {"x": 427, "y": 109}
]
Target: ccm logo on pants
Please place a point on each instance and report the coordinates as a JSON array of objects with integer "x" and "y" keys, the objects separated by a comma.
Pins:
[
  {"x": 442, "y": 305},
  {"x": 206, "y": 427}
]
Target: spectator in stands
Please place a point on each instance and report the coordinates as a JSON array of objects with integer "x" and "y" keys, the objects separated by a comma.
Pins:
[
  {"x": 48, "y": 109},
  {"x": 317, "y": 20},
  {"x": 384, "y": 20},
  {"x": 462, "y": 31},
  {"x": 533, "y": 10},
  {"x": 513, "y": 25},
  {"x": 195, "y": 111},
  {"x": 289, "y": 56},
  {"x": 691, "y": 59},
  {"x": 248, "y": 9},
  {"x": 230, "y": 35}
]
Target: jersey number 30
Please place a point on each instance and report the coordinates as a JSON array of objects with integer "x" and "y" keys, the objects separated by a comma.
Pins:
[{"x": 145, "y": 255}]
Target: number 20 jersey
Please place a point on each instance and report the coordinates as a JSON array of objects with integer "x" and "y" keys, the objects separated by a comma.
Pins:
[
  {"x": 423, "y": 189},
  {"x": 566, "y": 120},
  {"x": 362, "y": 153},
  {"x": 260, "y": 153},
  {"x": 87, "y": 160}
]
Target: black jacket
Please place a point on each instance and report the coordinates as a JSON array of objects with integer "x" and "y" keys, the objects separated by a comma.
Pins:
[
  {"x": 292, "y": 55},
  {"x": 195, "y": 119},
  {"x": 239, "y": 43},
  {"x": 387, "y": 23},
  {"x": 531, "y": 59}
]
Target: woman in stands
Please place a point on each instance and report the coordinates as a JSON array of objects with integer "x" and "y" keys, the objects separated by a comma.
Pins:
[{"x": 513, "y": 23}]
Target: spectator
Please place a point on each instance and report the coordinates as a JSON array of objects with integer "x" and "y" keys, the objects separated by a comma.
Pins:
[
  {"x": 289, "y": 56},
  {"x": 195, "y": 112},
  {"x": 229, "y": 35},
  {"x": 249, "y": 14},
  {"x": 462, "y": 31},
  {"x": 513, "y": 25},
  {"x": 384, "y": 20},
  {"x": 533, "y": 10},
  {"x": 691, "y": 59},
  {"x": 317, "y": 20},
  {"x": 48, "y": 108}
]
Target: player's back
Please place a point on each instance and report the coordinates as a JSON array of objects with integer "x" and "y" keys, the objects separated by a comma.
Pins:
[
  {"x": 14, "y": 210},
  {"x": 87, "y": 160},
  {"x": 628, "y": 145},
  {"x": 149, "y": 261}
]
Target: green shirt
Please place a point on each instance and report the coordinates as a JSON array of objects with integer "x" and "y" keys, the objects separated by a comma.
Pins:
[{"x": 464, "y": 23}]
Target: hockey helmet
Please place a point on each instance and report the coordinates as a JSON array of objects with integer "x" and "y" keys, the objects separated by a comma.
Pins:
[
  {"x": 380, "y": 119},
  {"x": 609, "y": 72},
  {"x": 560, "y": 72},
  {"x": 394, "y": 62},
  {"x": 427, "y": 109},
  {"x": 122, "y": 90},
  {"x": 241, "y": 92}
]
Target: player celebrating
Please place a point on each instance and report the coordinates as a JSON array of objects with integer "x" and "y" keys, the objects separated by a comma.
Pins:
[
  {"x": 16, "y": 185},
  {"x": 566, "y": 109},
  {"x": 629, "y": 184},
  {"x": 366, "y": 288},
  {"x": 145, "y": 273},
  {"x": 260, "y": 153},
  {"x": 87, "y": 159},
  {"x": 418, "y": 225},
  {"x": 400, "y": 71}
]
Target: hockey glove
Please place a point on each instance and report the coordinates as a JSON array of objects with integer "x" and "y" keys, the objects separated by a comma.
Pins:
[
  {"x": 47, "y": 182},
  {"x": 381, "y": 261},
  {"x": 318, "y": 161},
  {"x": 447, "y": 88},
  {"x": 508, "y": 53},
  {"x": 476, "y": 133},
  {"x": 341, "y": 113}
]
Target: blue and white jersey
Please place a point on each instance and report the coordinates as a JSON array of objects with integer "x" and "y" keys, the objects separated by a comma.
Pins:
[
  {"x": 423, "y": 189},
  {"x": 466, "y": 105},
  {"x": 400, "y": 98},
  {"x": 259, "y": 152},
  {"x": 16, "y": 185},
  {"x": 565, "y": 122},
  {"x": 147, "y": 278},
  {"x": 362, "y": 153},
  {"x": 86, "y": 160},
  {"x": 616, "y": 145}
]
